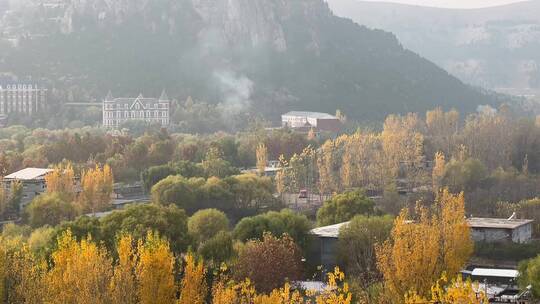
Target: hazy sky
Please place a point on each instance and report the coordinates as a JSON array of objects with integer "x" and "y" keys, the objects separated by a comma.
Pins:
[{"x": 453, "y": 3}]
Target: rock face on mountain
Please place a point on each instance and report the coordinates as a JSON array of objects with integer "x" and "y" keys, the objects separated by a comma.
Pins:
[
  {"x": 268, "y": 56},
  {"x": 497, "y": 48}
]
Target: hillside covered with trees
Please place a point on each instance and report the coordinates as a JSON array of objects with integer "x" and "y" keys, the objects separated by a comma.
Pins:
[{"x": 263, "y": 56}]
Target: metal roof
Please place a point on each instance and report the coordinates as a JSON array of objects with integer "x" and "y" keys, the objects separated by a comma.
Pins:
[
  {"x": 29, "y": 174},
  {"x": 496, "y": 223},
  {"x": 331, "y": 231},
  {"x": 493, "y": 272},
  {"x": 310, "y": 115}
]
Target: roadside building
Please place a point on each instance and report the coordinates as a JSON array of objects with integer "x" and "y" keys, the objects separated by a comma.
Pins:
[
  {"x": 117, "y": 111},
  {"x": 324, "y": 246},
  {"x": 493, "y": 230},
  {"x": 321, "y": 122},
  {"x": 32, "y": 180}
]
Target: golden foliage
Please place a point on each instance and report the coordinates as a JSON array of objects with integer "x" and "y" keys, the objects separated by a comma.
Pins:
[
  {"x": 155, "y": 271},
  {"x": 80, "y": 272},
  {"x": 193, "y": 286},
  {"x": 97, "y": 187},
  {"x": 438, "y": 171},
  {"x": 123, "y": 284},
  {"x": 262, "y": 158},
  {"x": 420, "y": 250},
  {"x": 455, "y": 292},
  {"x": 61, "y": 180}
]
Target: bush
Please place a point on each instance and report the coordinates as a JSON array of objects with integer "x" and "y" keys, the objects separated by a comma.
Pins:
[
  {"x": 343, "y": 207},
  {"x": 205, "y": 224},
  {"x": 49, "y": 209}
]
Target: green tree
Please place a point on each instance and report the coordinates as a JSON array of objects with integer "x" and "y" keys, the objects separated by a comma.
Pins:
[
  {"x": 286, "y": 221},
  {"x": 345, "y": 206},
  {"x": 218, "y": 249},
  {"x": 205, "y": 224},
  {"x": 529, "y": 274},
  {"x": 174, "y": 190},
  {"x": 357, "y": 246},
  {"x": 170, "y": 222},
  {"x": 153, "y": 175},
  {"x": 49, "y": 209}
]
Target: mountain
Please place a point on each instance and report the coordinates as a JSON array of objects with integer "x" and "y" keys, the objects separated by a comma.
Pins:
[
  {"x": 269, "y": 56},
  {"x": 496, "y": 47}
]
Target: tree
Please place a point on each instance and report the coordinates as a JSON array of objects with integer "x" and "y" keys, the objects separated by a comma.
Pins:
[
  {"x": 420, "y": 249},
  {"x": 97, "y": 187},
  {"x": 205, "y": 224},
  {"x": 214, "y": 164},
  {"x": 455, "y": 291},
  {"x": 286, "y": 221},
  {"x": 174, "y": 190},
  {"x": 269, "y": 263},
  {"x": 155, "y": 271},
  {"x": 170, "y": 222},
  {"x": 80, "y": 272},
  {"x": 356, "y": 245},
  {"x": 123, "y": 286},
  {"x": 61, "y": 180},
  {"x": 49, "y": 209},
  {"x": 345, "y": 206},
  {"x": 529, "y": 274},
  {"x": 193, "y": 286},
  {"x": 464, "y": 175},
  {"x": 281, "y": 181},
  {"x": 262, "y": 158},
  {"x": 402, "y": 144},
  {"x": 153, "y": 175},
  {"x": 438, "y": 171},
  {"x": 25, "y": 277},
  {"x": 218, "y": 249}
]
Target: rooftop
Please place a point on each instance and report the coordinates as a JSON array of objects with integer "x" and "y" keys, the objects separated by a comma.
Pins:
[
  {"x": 310, "y": 115},
  {"x": 491, "y": 272},
  {"x": 29, "y": 174},
  {"x": 331, "y": 231},
  {"x": 499, "y": 223}
]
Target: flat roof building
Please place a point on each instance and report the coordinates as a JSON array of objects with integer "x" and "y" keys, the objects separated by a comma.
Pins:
[
  {"x": 500, "y": 230},
  {"x": 307, "y": 120},
  {"x": 32, "y": 180},
  {"x": 323, "y": 250}
]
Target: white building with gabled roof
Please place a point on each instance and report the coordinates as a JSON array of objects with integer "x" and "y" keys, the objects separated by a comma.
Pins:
[{"x": 117, "y": 111}]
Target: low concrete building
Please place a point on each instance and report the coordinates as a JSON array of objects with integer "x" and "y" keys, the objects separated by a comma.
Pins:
[
  {"x": 323, "y": 247},
  {"x": 33, "y": 183},
  {"x": 493, "y": 230},
  {"x": 311, "y": 120}
]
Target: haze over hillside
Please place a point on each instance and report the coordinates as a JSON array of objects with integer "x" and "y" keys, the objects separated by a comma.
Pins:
[
  {"x": 497, "y": 47},
  {"x": 269, "y": 56}
]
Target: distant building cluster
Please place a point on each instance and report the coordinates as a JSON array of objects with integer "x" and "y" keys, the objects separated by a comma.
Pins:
[
  {"x": 25, "y": 99},
  {"x": 117, "y": 111},
  {"x": 321, "y": 122}
]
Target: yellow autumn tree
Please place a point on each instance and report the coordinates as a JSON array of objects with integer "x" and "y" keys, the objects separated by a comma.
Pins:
[
  {"x": 457, "y": 291},
  {"x": 337, "y": 291},
  {"x": 61, "y": 180},
  {"x": 97, "y": 187},
  {"x": 155, "y": 271},
  {"x": 438, "y": 171},
  {"x": 123, "y": 284},
  {"x": 80, "y": 273},
  {"x": 281, "y": 176},
  {"x": 403, "y": 144},
  {"x": 26, "y": 273},
  {"x": 262, "y": 158},
  {"x": 423, "y": 246},
  {"x": 193, "y": 286}
]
